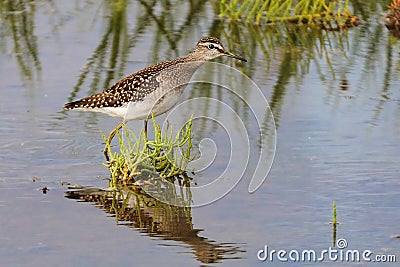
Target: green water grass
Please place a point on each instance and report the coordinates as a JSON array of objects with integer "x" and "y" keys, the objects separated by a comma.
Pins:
[
  {"x": 334, "y": 224},
  {"x": 334, "y": 219},
  {"x": 321, "y": 12},
  {"x": 166, "y": 156}
]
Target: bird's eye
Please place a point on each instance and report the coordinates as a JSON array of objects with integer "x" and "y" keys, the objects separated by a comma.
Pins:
[{"x": 211, "y": 46}]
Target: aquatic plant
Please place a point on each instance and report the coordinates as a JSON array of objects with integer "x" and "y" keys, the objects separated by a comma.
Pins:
[
  {"x": 167, "y": 156},
  {"x": 334, "y": 220},
  {"x": 392, "y": 19},
  {"x": 327, "y": 14},
  {"x": 334, "y": 225}
]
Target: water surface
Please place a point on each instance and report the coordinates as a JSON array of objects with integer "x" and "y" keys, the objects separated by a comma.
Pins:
[{"x": 334, "y": 97}]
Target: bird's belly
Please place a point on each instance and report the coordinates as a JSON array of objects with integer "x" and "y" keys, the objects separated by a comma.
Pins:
[
  {"x": 153, "y": 103},
  {"x": 132, "y": 111},
  {"x": 112, "y": 111}
]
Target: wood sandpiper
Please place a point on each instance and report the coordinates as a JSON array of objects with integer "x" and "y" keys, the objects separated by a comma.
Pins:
[{"x": 152, "y": 90}]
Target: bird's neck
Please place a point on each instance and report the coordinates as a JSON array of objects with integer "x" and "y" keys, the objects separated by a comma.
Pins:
[{"x": 193, "y": 57}]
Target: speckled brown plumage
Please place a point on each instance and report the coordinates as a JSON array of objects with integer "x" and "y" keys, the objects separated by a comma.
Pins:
[{"x": 133, "y": 88}]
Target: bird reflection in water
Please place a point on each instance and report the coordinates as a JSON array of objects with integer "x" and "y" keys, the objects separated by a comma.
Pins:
[{"x": 133, "y": 208}]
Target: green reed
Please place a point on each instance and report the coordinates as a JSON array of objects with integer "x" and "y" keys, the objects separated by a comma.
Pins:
[
  {"x": 167, "y": 155},
  {"x": 334, "y": 220},
  {"x": 334, "y": 225},
  {"x": 296, "y": 11}
]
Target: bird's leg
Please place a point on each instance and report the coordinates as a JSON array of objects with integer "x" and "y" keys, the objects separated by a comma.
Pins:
[
  {"x": 110, "y": 138},
  {"x": 145, "y": 129}
]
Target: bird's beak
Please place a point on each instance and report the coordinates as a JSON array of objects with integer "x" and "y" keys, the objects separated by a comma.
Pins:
[{"x": 228, "y": 54}]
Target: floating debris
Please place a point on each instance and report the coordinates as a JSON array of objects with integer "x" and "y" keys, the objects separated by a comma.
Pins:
[
  {"x": 45, "y": 190},
  {"x": 63, "y": 183},
  {"x": 36, "y": 179}
]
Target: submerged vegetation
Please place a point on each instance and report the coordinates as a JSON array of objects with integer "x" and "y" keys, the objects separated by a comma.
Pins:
[
  {"x": 326, "y": 14},
  {"x": 167, "y": 156}
]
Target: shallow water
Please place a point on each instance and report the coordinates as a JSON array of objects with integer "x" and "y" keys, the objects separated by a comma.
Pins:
[{"x": 334, "y": 97}]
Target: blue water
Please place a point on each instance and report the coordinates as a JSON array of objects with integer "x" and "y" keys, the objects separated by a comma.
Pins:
[{"x": 333, "y": 145}]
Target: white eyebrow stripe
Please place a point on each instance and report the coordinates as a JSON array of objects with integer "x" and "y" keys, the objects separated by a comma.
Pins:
[{"x": 218, "y": 46}]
